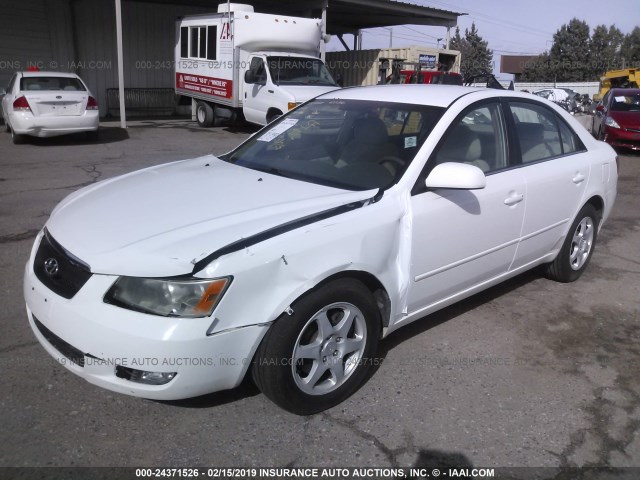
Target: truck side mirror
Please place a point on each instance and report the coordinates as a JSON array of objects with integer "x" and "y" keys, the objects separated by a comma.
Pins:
[{"x": 250, "y": 77}]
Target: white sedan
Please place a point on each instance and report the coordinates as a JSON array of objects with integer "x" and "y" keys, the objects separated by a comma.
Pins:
[
  {"x": 48, "y": 104},
  {"x": 290, "y": 257}
]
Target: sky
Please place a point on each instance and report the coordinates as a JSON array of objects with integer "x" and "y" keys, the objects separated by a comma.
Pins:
[{"x": 512, "y": 27}]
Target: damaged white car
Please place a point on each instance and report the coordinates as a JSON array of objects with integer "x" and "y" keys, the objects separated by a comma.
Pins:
[{"x": 290, "y": 257}]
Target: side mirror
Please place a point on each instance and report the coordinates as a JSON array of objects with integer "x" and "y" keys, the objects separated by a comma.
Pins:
[
  {"x": 600, "y": 108},
  {"x": 2, "y": 92},
  {"x": 249, "y": 77},
  {"x": 460, "y": 176}
]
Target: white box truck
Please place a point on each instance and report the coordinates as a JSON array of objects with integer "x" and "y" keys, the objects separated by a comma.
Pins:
[{"x": 237, "y": 62}]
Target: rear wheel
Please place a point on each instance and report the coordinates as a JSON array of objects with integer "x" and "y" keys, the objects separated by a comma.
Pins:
[
  {"x": 93, "y": 136},
  {"x": 315, "y": 358},
  {"x": 204, "y": 114},
  {"x": 577, "y": 248},
  {"x": 16, "y": 138}
]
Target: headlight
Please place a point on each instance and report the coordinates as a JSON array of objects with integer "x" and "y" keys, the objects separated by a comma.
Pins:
[
  {"x": 168, "y": 297},
  {"x": 610, "y": 122}
]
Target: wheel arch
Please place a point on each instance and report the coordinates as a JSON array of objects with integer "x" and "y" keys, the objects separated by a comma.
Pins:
[
  {"x": 273, "y": 111},
  {"x": 373, "y": 284},
  {"x": 597, "y": 202}
]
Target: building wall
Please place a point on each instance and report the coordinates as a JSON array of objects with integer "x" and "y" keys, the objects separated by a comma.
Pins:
[
  {"x": 80, "y": 36},
  {"x": 34, "y": 33}
]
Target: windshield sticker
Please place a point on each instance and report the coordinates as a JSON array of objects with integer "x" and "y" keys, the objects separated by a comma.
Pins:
[
  {"x": 410, "y": 142},
  {"x": 278, "y": 130},
  {"x": 621, "y": 99}
]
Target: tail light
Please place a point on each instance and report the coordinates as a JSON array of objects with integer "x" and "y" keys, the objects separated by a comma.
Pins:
[
  {"x": 92, "y": 104},
  {"x": 21, "y": 104}
]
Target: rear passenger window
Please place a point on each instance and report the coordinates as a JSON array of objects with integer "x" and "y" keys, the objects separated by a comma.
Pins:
[
  {"x": 477, "y": 139},
  {"x": 570, "y": 141},
  {"x": 537, "y": 130}
]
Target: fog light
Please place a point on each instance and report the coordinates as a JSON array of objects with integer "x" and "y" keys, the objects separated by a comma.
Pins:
[{"x": 148, "y": 378}]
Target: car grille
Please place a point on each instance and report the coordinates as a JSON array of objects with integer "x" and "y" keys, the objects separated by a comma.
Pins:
[
  {"x": 68, "y": 351},
  {"x": 58, "y": 269}
]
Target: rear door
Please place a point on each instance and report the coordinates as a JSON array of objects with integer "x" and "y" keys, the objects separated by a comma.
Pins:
[
  {"x": 54, "y": 96},
  {"x": 556, "y": 172}
]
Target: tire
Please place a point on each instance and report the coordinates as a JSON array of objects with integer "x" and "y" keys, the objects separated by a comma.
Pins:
[
  {"x": 93, "y": 136},
  {"x": 577, "y": 249},
  {"x": 204, "y": 114},
  {"x": 17, "y": 139},
  {"x": 273, "y": 116},
  {"x": 315, "y": 358}
]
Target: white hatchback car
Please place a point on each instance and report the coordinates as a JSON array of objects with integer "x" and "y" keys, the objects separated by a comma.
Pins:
[
  {"x": 47, "y": 104},
  {"x": 290, "y": 257}
]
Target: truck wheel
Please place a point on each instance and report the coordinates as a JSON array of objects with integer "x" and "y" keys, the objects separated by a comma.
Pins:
[
  {"x": 273, "y": 115},
  {"x": 315, "y": 358},
  {"x": 204, "y": 114}
]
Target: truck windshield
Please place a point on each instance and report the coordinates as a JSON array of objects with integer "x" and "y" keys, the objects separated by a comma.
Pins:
[
  {"x": 299, "y": 71},
  {"x": 349, "y": 144}
]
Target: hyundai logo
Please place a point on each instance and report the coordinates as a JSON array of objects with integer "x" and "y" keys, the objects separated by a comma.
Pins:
[{"x": 51, "y": 267}]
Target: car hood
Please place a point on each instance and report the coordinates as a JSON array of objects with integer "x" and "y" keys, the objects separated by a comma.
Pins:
[
  {"x": 162, "y": 220},
  {"x": 627, "y": 119}
]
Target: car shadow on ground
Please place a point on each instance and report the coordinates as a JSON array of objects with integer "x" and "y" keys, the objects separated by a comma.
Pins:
[
  {"x": 248, "y": 389},
  {"x": 105, "y": 135}
]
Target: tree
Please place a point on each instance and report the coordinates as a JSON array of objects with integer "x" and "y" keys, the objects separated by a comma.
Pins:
[
  {"x": 537, "y": 69},
  {"x": 604, "y": 50},
  {"x": 570, "y": 52},
  {"x": 476, "y": 56},
  {"x": 630, "y": 49}
]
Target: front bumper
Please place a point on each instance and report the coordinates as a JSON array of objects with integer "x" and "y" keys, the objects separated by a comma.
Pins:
[
  {"x": 25, "y": 123},
  {"x": 107, "y": 337},
  {"x": 622, "y": 137}
]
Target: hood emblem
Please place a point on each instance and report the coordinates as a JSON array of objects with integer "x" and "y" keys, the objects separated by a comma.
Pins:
[{"x": 51, "y": 267}]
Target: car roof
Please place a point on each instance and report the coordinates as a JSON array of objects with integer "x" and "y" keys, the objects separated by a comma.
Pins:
[
  {"x": 49, "y": 74},
  {"x": 420, "y": 94}
]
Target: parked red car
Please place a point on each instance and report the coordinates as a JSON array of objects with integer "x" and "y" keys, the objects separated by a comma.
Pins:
[{"x": 617, "y": 118}]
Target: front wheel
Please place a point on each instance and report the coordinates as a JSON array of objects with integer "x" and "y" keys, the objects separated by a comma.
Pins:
[
  {"x": 315, "y": 358},
  {"x": 577, "y": 248}
]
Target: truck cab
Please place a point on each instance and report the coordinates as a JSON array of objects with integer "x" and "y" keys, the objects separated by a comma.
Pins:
[{"x": 276, "y": 82}]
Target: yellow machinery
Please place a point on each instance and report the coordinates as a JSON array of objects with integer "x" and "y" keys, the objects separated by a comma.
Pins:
[{"x": 626, "y": 78}]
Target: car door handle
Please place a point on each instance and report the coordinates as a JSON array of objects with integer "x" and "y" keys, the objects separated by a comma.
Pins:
[
  {"x": 513, "y": 198},
  {"x": 578, "y": 179}
]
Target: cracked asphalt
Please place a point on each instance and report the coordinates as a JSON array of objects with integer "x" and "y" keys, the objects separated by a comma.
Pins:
[{"x": 529, "y": 373}]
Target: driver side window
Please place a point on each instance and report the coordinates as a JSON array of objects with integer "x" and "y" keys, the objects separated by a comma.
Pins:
[
  {"x": 258, "y": 69},
  {"x": 477, "y": 138}
]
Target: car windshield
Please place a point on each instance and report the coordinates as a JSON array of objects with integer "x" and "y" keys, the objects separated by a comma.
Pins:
[
  {"x": 51, "y": 83},
  {"x": 625, "y": 103},
  {"x": 350, "y": 144},
  {"x": 299, "y": 71}
]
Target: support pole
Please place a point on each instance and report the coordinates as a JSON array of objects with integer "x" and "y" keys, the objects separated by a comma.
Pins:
[
  {"x": 123, "y": 115},
  {"x": 448, "y": 37},
  {"x": 323, "y": 31}
]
